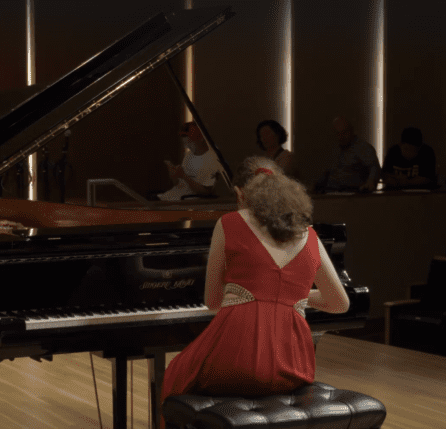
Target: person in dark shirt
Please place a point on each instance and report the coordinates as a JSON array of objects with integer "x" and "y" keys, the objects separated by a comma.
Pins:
[
  {"x": 409, "y": 164},
  {"x": 354, "y": 167}
]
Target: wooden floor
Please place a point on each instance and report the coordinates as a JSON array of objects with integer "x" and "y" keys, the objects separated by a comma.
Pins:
[{"x": 60, "y": 394}]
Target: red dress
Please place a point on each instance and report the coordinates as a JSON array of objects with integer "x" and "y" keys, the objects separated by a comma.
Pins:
[{"x": 259, "y": 347}]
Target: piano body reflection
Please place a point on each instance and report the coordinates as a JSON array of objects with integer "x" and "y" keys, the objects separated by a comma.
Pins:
[{"x": 123, "y": 284}]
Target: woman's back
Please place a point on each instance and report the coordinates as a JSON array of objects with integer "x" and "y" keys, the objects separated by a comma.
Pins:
[{"x": 270, "y": 272}]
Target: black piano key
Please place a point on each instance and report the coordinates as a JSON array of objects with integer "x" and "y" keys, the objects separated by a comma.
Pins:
[
  {"x": 79, "y": 311},
  {"x": 53, "y": 314},
  {"x": 69, "y": 312},
  {"x": 61, "y": 312},
  {"x": 107, "y": 309},
  {"x": 128, "y": 309},
  {"x": 34, "y": 314},
  {"x": 42, "y": 313},
  {"x": 30, "y": 315},
  {"x": 94, "y": 310},
  {"x": 20, "y": 314},
  {"x": 121, "y": 308}
]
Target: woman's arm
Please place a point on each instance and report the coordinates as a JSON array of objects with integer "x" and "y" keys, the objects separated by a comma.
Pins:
[
  {"x": 330, "y": 296},
  {"x": 213, "y": 291}
]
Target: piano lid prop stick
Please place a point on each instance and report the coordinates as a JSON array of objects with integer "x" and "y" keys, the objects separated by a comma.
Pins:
[
  {"x": 62, "y": 166},
  {"x": 226, "y": 173}
]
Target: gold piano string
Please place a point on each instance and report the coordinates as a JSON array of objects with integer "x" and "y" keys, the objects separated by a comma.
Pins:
[{"x": 119, "y": 87}]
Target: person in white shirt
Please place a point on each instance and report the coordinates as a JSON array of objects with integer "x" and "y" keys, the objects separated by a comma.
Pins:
[{"x": 198, "y": 171}]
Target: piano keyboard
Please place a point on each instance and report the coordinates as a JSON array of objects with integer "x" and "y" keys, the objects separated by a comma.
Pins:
[{"x": 35, "y": 319}]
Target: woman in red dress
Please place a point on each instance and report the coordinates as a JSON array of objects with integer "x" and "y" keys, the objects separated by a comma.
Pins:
[{"x": 263, "y": 261}]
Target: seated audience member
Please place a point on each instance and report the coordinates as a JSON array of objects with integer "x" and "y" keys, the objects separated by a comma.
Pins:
[
  {"x": 355, "y": 166},
  {"x": 409, "y": 164},
  {"x": 271, "y": 136},
  {"x": 198, "y": 171}
]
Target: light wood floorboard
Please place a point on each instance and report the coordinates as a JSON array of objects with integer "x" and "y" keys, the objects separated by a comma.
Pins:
[{"x": 60, "y": 394}]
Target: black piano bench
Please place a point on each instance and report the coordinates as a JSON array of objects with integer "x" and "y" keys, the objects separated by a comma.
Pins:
[{"x": 316, "y": 406}]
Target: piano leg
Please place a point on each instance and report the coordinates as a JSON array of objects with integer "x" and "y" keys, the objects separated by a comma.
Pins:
[
  {"x": 160, "y": 366},
  {"x": 119, "y": 380}
]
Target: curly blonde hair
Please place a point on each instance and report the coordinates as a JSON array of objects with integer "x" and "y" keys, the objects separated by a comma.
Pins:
[{"x": 278, "y": 202}]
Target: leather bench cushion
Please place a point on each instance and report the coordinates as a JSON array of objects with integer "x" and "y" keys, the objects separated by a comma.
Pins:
[{"x": 316, "y": 406}]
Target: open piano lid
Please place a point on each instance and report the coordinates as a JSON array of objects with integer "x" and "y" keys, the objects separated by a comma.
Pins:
[{"x": 35, "y": 122}]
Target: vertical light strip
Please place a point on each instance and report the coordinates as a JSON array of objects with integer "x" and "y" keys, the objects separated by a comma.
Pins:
[
  {"x": 31, "y": 80},
  {"x": 379, "y": 83},
  {"x": 189, "y": 67},
  {"x": 285, "y": 90}
]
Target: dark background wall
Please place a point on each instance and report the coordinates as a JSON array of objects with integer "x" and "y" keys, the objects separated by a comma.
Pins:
[
  {"x": 237, "y": 74},
  {"x": 416, "y": 71},
  {"x": 236, "y": 79},
  {"x": 332, "y": 69},
  {"x": 12, "y": 44}
]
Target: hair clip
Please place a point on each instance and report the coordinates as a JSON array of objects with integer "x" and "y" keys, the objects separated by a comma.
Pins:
[{"x": 264, "y": 171}]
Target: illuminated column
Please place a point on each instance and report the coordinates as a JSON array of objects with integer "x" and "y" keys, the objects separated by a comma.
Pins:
[
  {"x": 378, "y": 79},
  {"x": 286, "y": 70},
  {"x": 189, "y": 66},
  {"x": 31, "y": 80}
]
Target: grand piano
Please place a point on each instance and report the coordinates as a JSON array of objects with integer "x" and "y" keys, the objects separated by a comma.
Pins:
[{"x": 122, "y": 284}]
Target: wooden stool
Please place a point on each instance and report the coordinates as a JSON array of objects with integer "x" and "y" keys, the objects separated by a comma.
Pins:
[{"x": 316, "y": 406}]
